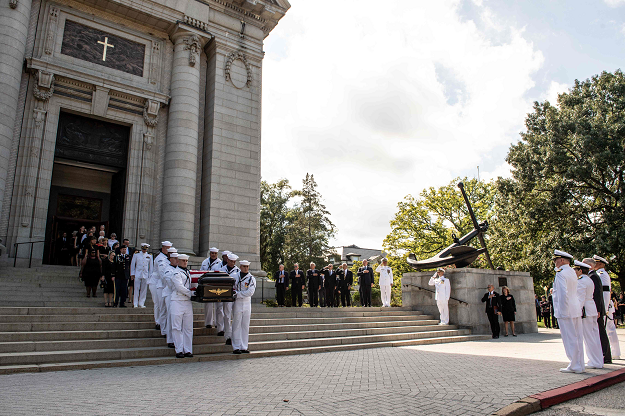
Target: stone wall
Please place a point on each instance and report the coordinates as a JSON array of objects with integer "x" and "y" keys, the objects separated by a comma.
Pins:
[{"x": 469, "y": 285}]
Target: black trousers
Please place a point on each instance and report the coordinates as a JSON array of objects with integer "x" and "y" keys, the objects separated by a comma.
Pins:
[
  {"x": 296, "y": 295},
  {"x": 280, "y": 293},
  {"x": 330, "y": 296},
  {"x": 605, "y": 342},
  {"x": 547, "y": 317},
  {"x": 337, "y": 297},
  {"x": 366, "y": 295},
  {"x": 346, "y": 298},
  {"x": 313, "y": 297},
  {"x": 493, "y": 318},
  {"x": 121, "y": 291},
  {"x": 538, "y": 314}
]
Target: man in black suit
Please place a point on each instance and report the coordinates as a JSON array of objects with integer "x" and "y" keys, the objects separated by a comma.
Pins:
[
  {"x": 62, "y": 250},
  {"x": 122, "y": 275},
  {"x": 314, "y": 285},
  {"x": 346, "y": 280},
  {"x": 331, "y": 284},
  {"x": 282, "y": 282},
  {"x": 297, "y": 285},
  {"x": 493, "y": 306},
  {"x": 365, "y": 280},
  {"x": 597, "y": 296}
]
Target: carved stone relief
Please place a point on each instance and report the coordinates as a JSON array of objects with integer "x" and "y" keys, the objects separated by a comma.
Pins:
[
  {"x": 53, "y": 19},
  {"x": 230, "y": 60},
  {"x": 192, "y": 44}
]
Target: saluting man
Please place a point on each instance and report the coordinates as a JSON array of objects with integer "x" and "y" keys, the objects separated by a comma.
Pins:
[
  {"x": 167, "y": 271},
  {"x": 160, "y": 310},
  {"x": 244, "y": 286},
  {"x": 233, "y": 271},
  {"x": 590, "y": 329},
  {"x": 568, "y": 311},
  {"x": 314, "y": 285},
  {"x": 610, "y": 328},
  {"x": 386, "y": 281},
  {"x": 211, "y": 264},
  {"x": 443, "y": 291},
  {"x": 331, "y": 284},
  {"x": 182, "y": 309},
  {"x": 141, "y": 270},
  {"x": 365, "y": 280},
  {"x": 346, "y": 280},
  {"x": 297, "y": 285}
]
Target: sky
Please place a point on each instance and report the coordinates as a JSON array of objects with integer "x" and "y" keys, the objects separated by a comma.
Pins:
[{"x": 382, "y": 99}]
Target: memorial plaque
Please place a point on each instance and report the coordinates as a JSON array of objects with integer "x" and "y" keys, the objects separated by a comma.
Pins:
[{"x": 102, "y": 48}]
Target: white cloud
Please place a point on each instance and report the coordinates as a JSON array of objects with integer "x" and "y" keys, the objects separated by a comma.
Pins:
[
  {"x": 614, "y": 3},
  {"x": 552, "y": 92},
  {"x": 379, "y": 102}
]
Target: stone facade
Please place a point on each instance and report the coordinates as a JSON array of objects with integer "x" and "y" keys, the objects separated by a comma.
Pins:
[
  {"x": 469, "y": 285},
  {"x": 185, "y": 77}
]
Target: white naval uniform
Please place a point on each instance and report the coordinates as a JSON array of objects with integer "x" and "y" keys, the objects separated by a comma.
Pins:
[
  {"x": 141, "y": 269},
  {"x": 443, "y": 290},
  {"x": 167, "y": 291},
  {"x": 227, "y": 306},
  {"x": 181, "y": 311},
  {"x": 567, "y": 309},
  {"x": 610, "y": 328},
  {"x": 590, "y": 328},
  {"x": 386, "y": 281},
  {"x": 209, "y": 307},
  {"x": 242, "y": 310},
  {"x": 160, "y": 261}
]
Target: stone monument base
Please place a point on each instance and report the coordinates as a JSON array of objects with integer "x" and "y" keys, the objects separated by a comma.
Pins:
[{"x": 469, "y": 285}]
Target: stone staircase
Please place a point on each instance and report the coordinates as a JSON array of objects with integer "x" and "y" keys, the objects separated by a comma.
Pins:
[{"x": 48, "y": 324}]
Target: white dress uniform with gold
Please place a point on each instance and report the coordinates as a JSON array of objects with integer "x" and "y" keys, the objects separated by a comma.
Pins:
[
  {"x": 227, "y": 306},
  {"x": 443, "y": 291},
  {"x": 590, "y": 328},
  {"x": 182, "y": 311},
  {"x": 567, "y": 309},
  {"x": 386, "y": 281},
  {"x": 244, "y": 285},
  {"x": 610, "y": 328},
  {"x": 167, "y": 291},
  {"x": 141, "y": 269},
  {"x": 210, "y": 317}
]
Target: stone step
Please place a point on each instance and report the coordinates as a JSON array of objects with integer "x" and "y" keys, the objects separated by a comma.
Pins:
[
  {"x": 47, "y": 357},
  {"x": 82, "y": 365}
]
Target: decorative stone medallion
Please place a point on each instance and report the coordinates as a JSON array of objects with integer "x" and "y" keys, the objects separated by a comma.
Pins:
[{"x": 238, "y": 70}]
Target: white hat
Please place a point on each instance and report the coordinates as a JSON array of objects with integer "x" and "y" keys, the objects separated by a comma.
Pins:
[
  {"x": 244, "y": 263},
  {"x": 174, "y": 255},
  {"x": 172, "y": 250},
  {"x": 166, "y": 244},
  {"x": 440, "y": 269},
  {"x": 213, "y": 250},
  {"x": 601, "y": 259},
  {"x": 561, "y": 254},
  {"x": 145, "y": 245},
  {"x": 233, "y": 257},
  {"x": 225, "y": 253},
  {"x": 183, "y": 257},
  {"x": 385, "y": 259},
  {"x": 580, "y": 264}
]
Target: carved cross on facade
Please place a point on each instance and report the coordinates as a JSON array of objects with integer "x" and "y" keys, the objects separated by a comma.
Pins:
[{"x": 106, "y": 45}]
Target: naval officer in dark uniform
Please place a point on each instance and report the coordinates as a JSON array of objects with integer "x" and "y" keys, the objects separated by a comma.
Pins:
[{"x": 122, "y": 275}]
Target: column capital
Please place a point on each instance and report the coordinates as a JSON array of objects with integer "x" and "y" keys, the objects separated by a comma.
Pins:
[{"x": 193, "y": 40}]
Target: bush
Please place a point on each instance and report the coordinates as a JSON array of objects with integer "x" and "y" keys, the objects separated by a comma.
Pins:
[
  {"x": 271, "y": 303},
  {"x": 376, "y": 297}
]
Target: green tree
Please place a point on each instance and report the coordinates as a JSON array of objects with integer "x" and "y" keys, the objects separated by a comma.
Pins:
[
  {"x": 568, "y": 188},
  {"x": 275, "y": 216}
]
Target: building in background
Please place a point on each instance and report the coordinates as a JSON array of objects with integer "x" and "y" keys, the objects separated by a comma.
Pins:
[{"x": 353, "y": 253}]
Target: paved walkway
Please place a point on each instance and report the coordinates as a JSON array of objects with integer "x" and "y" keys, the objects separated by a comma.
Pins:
[{"x": 471, "y": 378}]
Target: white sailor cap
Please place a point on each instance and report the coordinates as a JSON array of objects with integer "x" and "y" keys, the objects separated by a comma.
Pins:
[
  {"x": 579, "y": 264},
  {"x": 385, "y": 259},
  {"x": 601, "y": 259},
  {"x": 145, "y": 245},
  {"x": 166, "y": 244},
  {"x": 225, "y": 253},
  {"x": 557, "y": 254},
  {"x": 213, "y": 250},
  {"x": 244, "y": 263},
  {"x": 183, "y": 257},
  {"x": 174, "y": 255},
  {"x": 440, "y": 269},
  {"x": 172, "y": 250},
  {"x": 233, "y": 257}
]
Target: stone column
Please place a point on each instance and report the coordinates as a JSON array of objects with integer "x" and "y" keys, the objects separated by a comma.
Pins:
[
  {"x": 14, "y": 18},
  {"x": 180, "y": 171}
]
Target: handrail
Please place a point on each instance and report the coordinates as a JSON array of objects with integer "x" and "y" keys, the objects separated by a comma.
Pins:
[
  {"x": 30, "y": 255},
  {"x": 433, "y": 291}
]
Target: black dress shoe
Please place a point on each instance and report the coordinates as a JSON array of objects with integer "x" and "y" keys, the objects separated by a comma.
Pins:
[
  {"x": 171, "y": 345},
  {"x": 179, "y": 355},
  {"x": 236, "y": 352},
  {"x": 221, "y": 333},
  {"x": 228, "y": 341},
  {"x": 496, "y": 336},
  {"x": 188, "y": 354},
  {"x": 157, "y": 327},
  {"x": 245, "y": 351},
  {"x": 209, "y": 326}
]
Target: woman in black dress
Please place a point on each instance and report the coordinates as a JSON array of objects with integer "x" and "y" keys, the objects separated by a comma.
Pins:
[
  {"x": 108, "y": 271},
  {"x": 508, "y": 309},
  {"x": 91, "y": 271}
]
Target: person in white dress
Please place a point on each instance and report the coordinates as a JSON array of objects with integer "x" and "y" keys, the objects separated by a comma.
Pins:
[
  {"x": 610, "y": 328},
  {"x": 233, "y": 271},
  {"x": 141, "y": 270},
  {"x": 182, "y": 309},
  {"x": 211, "y": 264},
  {"x": 590, "y": 329},
  {"x": 386, "y": 281},
  {"x": 244, "y": 286},
  {"x": 156, "y": 288},
  {"x": 443, "y": 291}
]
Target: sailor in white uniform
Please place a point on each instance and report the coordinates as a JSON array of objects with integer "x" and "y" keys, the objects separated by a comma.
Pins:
[
  {"x": 141, "y": 271},
  {"x": 167, "y": 271},
  {"x": 590, "y": 329},
  {"x": 213, "y": 264},
  {"x": 156, "y": 288},
  {"x": 443, "y": 290},
  {"x": 182, "y": 309},
  {"x": 233, "y": 271},
  {"x": 568, "y": 311},
  {"x": 610, "y": 328},
  {"x": 244, "y": 286},
  {"x": 386, "y": 281},
  {"x": 219, "y": 306}
]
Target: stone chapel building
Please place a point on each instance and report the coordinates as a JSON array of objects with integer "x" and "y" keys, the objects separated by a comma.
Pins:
[{"x": 141, "y": 115}]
